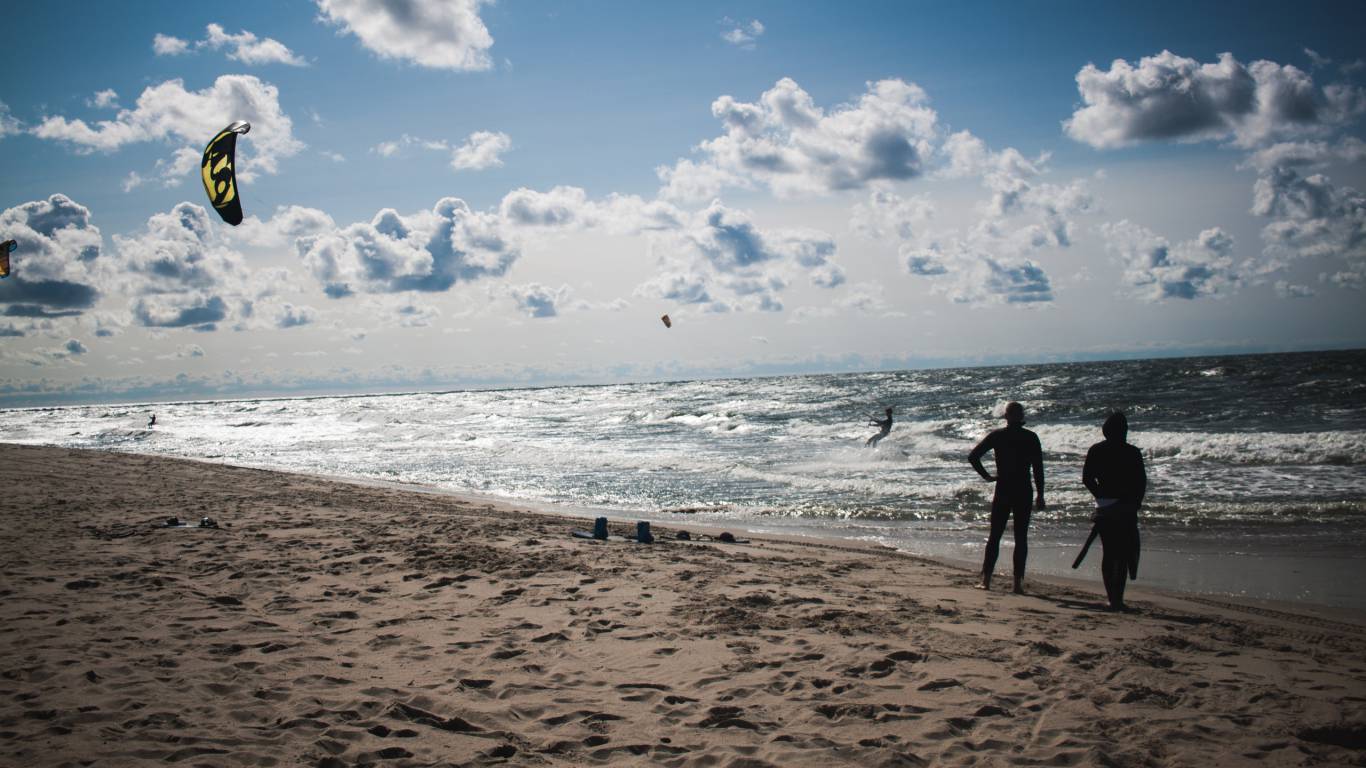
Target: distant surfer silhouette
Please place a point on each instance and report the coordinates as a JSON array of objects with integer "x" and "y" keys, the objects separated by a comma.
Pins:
[
  {"x": 152, "y": 422},
  {"x": 1017, "y": 451},
  {"x": 1115, "y": 475},
  {"x": 884, "y": 426}
]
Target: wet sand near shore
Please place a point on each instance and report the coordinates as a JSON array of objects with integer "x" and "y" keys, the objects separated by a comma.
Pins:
[{"x": 335, "y": 624}]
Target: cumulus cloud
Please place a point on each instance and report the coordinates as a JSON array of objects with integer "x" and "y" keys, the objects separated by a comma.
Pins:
[
  {"x": 248, "y": 49},
  {"x": 56, "y": 265},
  {"x": 427, "y": 251},
  {"x": 1170, "y": 97},
  {"x": 1310, "y": 217},
  {"x": 183, "y": 274},
  {"x": 439, "y": 34},
  {"x": 8, "y": 125},
  {"x": 742, "y": 34},
  {"x": 169, "y": 112},
  {"x": 569, "y": 208},
  {"x": 1155, "y": 270},
  {"x": 537, "y": 300},
  {"x": 105, "y": 99},
  {"x": 978, "y": 270},
  {"x": 290, "y": 316},
  {"x": 483, "y": 149},
  {"x": 289, "y": 223},
  {"x": 184, "y": 351},
  {"x": 1287, "y": 123},
  {"x": 1291, "y": 291},
  {"x": 721, "y": 261},
  {"x": 788, "y": 144},
  {"x": 166, "y": 45}
]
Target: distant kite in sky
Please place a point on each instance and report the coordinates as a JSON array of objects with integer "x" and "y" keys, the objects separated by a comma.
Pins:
[
  {"x": 667, "y": 322},
  {"x": 220, "y": 179},
  {"x": 6, "y": 248}
]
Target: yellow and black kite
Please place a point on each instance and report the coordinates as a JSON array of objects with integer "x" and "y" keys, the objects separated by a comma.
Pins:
[
  {"x": 220, "y": 180},
  {"x": 6, "y": 248}
]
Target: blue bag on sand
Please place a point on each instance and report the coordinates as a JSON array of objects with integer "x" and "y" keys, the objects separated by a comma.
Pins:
[
  {"x": 600, "y": 528},
  {"x": 643, "y": 532}
]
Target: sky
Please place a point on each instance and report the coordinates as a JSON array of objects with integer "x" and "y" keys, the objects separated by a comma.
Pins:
[{"x": 453, "y": 194}]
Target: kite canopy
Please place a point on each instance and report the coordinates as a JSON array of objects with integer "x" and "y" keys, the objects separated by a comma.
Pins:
[
  {"x": 667, "y": 322},
  {"x": 219, "y": 175},
  {"x": 6, "y": 248}
]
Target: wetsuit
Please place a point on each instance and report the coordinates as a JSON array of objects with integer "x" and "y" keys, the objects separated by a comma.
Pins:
[
  {"x": 1017, "y": 450},
  {"x": 1114, "y": 470},
  {"x": 886, "y": 426}
]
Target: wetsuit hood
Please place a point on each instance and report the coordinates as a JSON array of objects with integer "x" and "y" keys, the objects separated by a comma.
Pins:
[{"x": 1116, "y": 427}]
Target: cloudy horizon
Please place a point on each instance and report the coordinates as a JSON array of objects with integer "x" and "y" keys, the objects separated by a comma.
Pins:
[{"x": 476, "y": 194}]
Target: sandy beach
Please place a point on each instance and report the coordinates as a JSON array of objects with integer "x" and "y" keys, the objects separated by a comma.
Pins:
[{"x": 334, "y": 624}]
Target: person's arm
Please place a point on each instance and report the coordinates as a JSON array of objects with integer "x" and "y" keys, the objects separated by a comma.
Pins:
[
  {"x": 1142, "y": 476},
  {"x": 1038, "y": 473},
  {"x": 1088, "y": 473},
  {"x": 975, "y": 458}
]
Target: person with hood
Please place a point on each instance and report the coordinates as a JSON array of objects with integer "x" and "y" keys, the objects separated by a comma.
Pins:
[
  {"x": 884, "y": 428},
  {"x": 1115, "y": 475},
  {"x": 1017, "y": 451}
]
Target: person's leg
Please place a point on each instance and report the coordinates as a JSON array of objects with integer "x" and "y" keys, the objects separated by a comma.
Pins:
[
  {"x": 1000, "y": 510},
  {"x": 1022, "y": 507},
  {"x": 1111, "y": 560}
]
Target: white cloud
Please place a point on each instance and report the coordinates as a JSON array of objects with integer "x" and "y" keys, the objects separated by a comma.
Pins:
[
  {"x": 8, "y": 125},
  {"x": 569, "y": 208},
  {"x": 288, "y": 315},
  {"x": 483, "y": 149},
  {"x": 184, "y": 351},
  {"x": 742, "y": 35},
  {"x": 440, "y": 34},
  {"x": 248, "y": 49},
  {"x": 1310, "y": 217},
  {"x": 427, "y": 251},
  {"x": 888, "y": 215},
  {"x": 787, "y": 143},
  {"x": 57, "y": 263},
  {"x": 1287, "y": 290},
  {"x": 181, "y": 272},
  {"x": 1170, "y": 97},
  {"x": 1155, "y": 270},
  {"x": 537, "y": 300},
  {"x": 722, "y": 262},
  {"x": 166, "y": 45},
  {"x": 978, "y": 270},
  {"x": 105, "y": 99},
  {"x": 168, "y": 112}
]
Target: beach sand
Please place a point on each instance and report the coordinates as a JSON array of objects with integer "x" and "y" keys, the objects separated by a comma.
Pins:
[{"x": 335, "y": 624}]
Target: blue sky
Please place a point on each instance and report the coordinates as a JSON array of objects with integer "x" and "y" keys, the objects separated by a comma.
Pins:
[{"x": 478, "y": 194}]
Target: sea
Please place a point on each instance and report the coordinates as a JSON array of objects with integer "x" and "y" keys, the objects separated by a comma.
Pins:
[{"x": 1256, "y": 463}]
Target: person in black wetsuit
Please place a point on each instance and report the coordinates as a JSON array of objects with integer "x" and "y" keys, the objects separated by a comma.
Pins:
[
  {"x": 885, "y": 427},
  {"x": 1115, "y": 475},
  {"x": 1017, "y": 451}
]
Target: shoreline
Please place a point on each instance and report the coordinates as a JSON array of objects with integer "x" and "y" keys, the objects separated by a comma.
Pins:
[
  {"x": 330, "y": 624},
  {"x": 1202, "y": 568}
]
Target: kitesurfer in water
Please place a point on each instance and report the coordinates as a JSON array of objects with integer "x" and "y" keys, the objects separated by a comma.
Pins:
[
  {"x": 884, "y": 426},
  {"x": 1115, "y": 475},
  {"x": 1017, "y": 451},
  {"x": 152, "y": 422}
]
